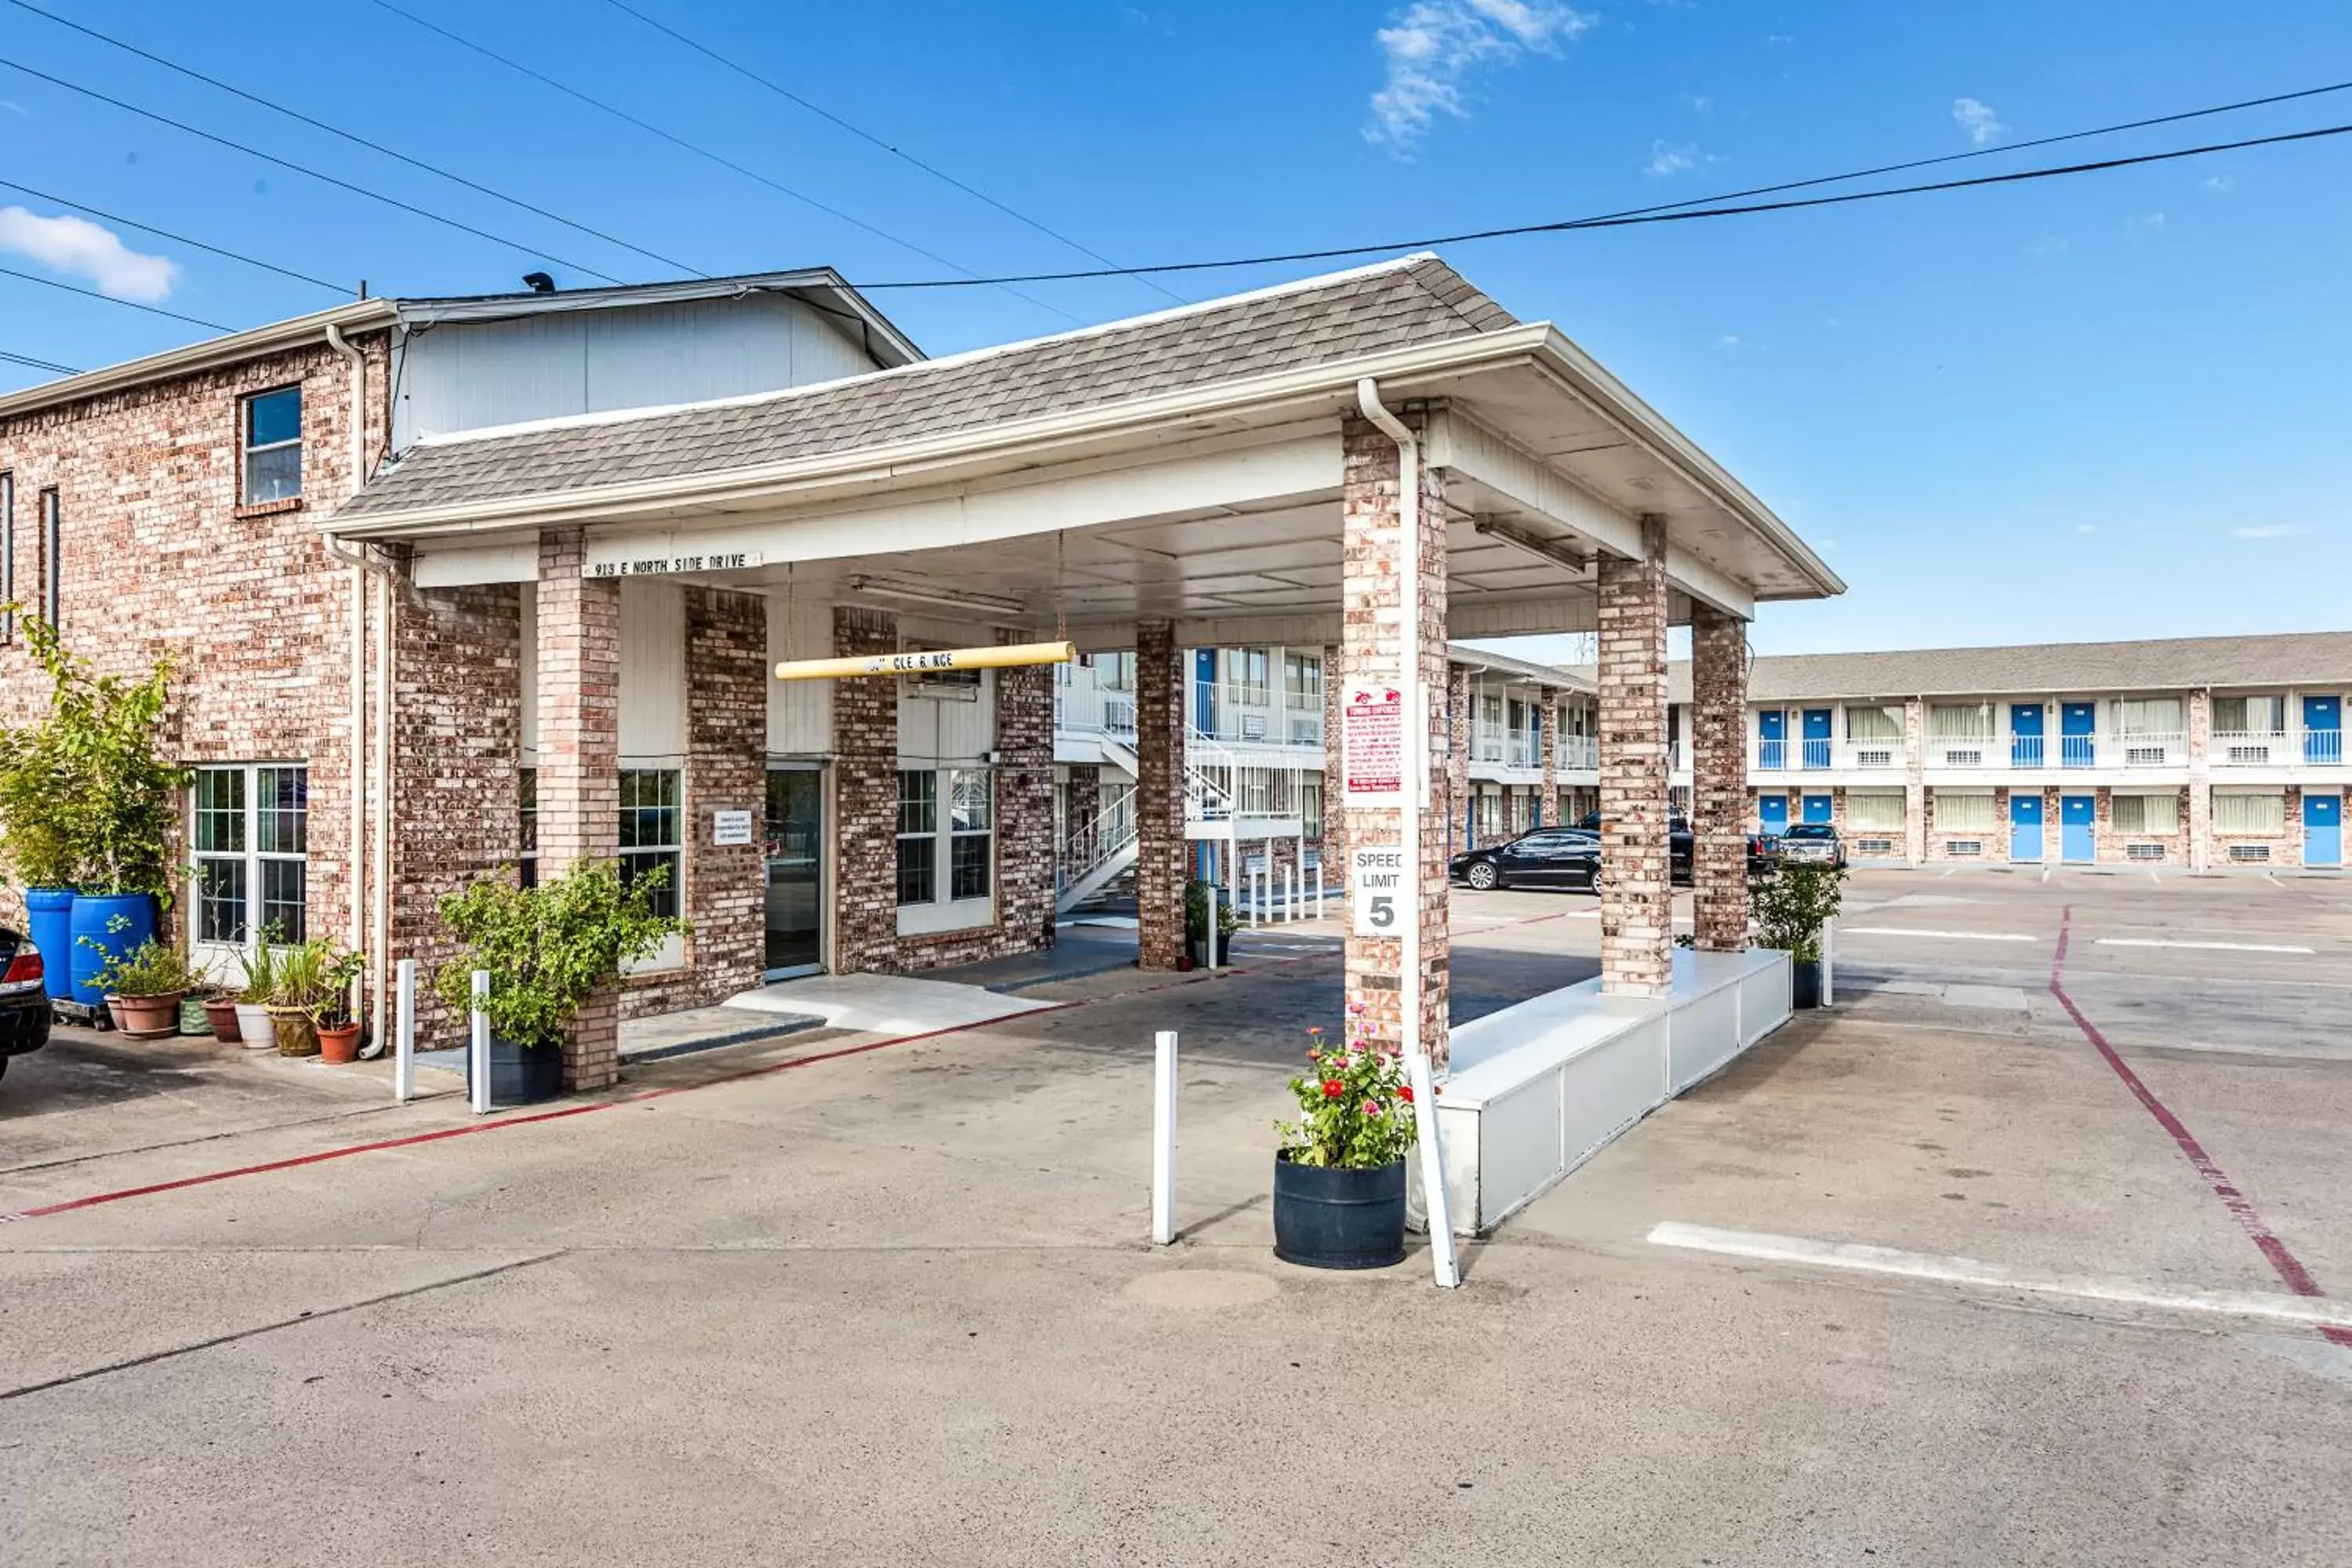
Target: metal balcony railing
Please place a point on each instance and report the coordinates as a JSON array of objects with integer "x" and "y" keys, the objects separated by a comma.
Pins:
[
  {"x": 2324, "y": 748},
  {"x": 1772, "y": 756},
  {"x": 2150, "y": 749},
  {"x": 1579, "y": 750},
  {"x": 1965, "y": 751},
  {"x": 2026, "y": 752}
]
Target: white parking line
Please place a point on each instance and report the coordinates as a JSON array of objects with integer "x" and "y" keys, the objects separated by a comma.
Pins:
[
  {"x": 1938, "y": 935},
  {"x": 2209, "y": 946},
  {"x": 1766, "y": 1247}
]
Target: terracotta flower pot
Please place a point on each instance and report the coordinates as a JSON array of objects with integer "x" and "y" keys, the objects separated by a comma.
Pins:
[
  {"x": 338, "y": 1043},
  {"x": 296, "y": 1032},
  {"x": 114, "y": 1011},
  {"x": 148, "y": 1017},
  {"x": 221, "y": 1014}
]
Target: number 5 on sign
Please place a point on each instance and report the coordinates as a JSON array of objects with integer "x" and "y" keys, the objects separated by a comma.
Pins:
[{"x": 1378, "y": 894}]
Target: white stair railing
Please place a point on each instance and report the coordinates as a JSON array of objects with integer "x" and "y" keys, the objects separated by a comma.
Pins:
[
  {"x": 1091, "y": 844},
  {"x": 1206, "y": 799}
]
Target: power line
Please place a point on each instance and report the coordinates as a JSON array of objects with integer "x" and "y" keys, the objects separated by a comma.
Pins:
[
  {"x": 354, "y": 138},
  {"x": 31, "y": 364},
  {"x": 531, "y": 250},
  {"x": 112, "y": 300},
  {"x": 868, "y": 136},
  {"x": 176, "y": 239},
  {"x": 701, "y": 151},
  {"x": 1622, "y": 220}
]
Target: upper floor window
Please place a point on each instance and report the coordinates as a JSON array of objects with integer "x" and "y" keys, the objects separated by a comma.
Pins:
[
  {"x": 1249, "y": 674},
  {"x": 273, "y": 446},
  {"x": 1114, "y": 672},
  {"x": 1302, "y": 680},
  {"x": 2149, "y": 716},
  {"x": 1873, "y": 723},
  {"x": 2250, "y": 715},
  {"x": 1960, "y": 721}
]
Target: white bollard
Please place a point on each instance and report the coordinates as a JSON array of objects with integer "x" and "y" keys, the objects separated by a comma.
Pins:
[
  {"x": 1437, "y": 1204},
  {"x": 478, "y": 1048},
  {"x": 1318, "y": 889},
  {"x": 404, "y": 1034},
  {"x": 1289, "y": 894},
  {"x": 1829, "y": 961},
  {"x": 1163, "y": 1137}
]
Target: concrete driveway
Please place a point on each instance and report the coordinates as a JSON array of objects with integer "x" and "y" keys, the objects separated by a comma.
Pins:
[{"x": 832, "y": 1299}]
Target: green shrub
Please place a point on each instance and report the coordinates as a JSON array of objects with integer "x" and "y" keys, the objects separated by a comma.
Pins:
[
  {"x": 1790, "y": 910},
  {"x": 1355, "y": 1109},
  {"x": 150, "y": 969},
  {"x": 311, "y": 976},
  {"x": 548, "y": 948},
  {"x": 1198, "y": 897}
]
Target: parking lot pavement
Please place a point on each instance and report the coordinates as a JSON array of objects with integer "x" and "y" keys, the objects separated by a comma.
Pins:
[{"x": 895, "y": 1305}]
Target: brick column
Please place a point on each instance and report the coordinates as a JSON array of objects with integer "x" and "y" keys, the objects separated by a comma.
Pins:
[
  {"x": 865, "y": 798},
  {"x": 2200, "y": 780},
  {"x": 1335, "y": 820},
  {"x": 1461, "y": 833},
  {"x": 1914, "y": 782},
  {"x": 1025, "y": 805},
  {"x": 1378, "y": 643},
  {"x": 1159, "y": 796},
  {"x": 1720, "y": 778},
  {"x": 1636, "y": 890},
  {"x": 1548, "y": 737},
  {"x": 580, "y": 757},
  {"x": 726, "y": 898}
]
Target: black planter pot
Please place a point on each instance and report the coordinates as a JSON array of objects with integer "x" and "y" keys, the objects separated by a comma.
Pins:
[
  {"x": 521, "y": 1074},
  {"x": 1805, "y": 988},
  {"x": 1224, "y": 951},
  {"x": 1330, "y": 1218}
]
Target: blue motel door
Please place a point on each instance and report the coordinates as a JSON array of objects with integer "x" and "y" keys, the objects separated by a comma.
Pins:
[
  {"x": 1817, "y": 740},
  {"x": 2025, "y": 829},
  {"x": 2078, "y": 816},
  {"x": 1205, "y": 691},
  {"x": 1818, "y": 808},
  {"x": 2323, "y": 829},
  {"x": 2025, "y": 741},
  {"x": 1772, "y": 740},
  {"x": 2078, "y": 725},
  {"x": 2323, "y": 730},
  {"x": 1772, "y": 815}
]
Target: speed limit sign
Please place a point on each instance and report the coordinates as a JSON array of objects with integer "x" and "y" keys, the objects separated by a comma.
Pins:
[{"x": 1379, "y": 896}]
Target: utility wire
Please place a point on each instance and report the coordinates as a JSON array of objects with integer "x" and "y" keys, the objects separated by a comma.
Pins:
[
  {"x": 355, "y": 139},
  {"x": 31, "y": 364},
  {"x": 748, "y": 74},
  {"x": 1622, "y": 220},
  {"x": 531, "y": 250},
  {"x": 112, "y": 300},
  {"x": 701, "y": 151},
  {"x": 331, "y": 287}
]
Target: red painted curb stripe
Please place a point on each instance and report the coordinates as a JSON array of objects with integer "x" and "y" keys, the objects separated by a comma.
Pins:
[{"x": 2288, "y": 1267}]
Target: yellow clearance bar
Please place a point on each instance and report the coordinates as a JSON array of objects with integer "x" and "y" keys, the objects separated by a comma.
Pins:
[{"x": 1002, "y": 658}]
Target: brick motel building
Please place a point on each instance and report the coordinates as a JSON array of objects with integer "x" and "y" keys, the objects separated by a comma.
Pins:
[{"x": 479, "y": 587}]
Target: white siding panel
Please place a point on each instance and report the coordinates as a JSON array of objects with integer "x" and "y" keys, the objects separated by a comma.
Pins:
[
  {"x": 653, "y": 672},
  {"x": 934, "y": 729},
  {"x": 800, "y": 712}
]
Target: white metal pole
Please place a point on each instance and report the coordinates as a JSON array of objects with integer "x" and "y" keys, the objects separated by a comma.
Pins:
[
  {"x": 1318, "y": 889},
  {"x": 1289, "y": 894},
  {"x": 1829, "y": 962},
  {"x": 1163, "y": 1137},
  {"x": 403, "y": 1038},
  {"x": 478, "y": 1051},
  {"x": 1440, "y": 1211}
]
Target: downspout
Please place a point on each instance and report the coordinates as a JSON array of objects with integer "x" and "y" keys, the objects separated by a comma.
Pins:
[
  {"x": 361, "y": 566},
  {"x": 1416, "y": 800}
]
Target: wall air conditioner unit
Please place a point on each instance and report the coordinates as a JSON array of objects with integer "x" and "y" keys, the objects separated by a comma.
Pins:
[
  {"x": 2144, "y": 756},
  {"x": 1964, "y": 848},
  {"x": 1880, "y": 758},
  {"x": 2250, "y": 854},
  {"x": 1253, "y": 726},
  {"x": 1958, "y": 759},
  {"x": 2143, "y": 851},
  {"x": 1874, "y": 847}
]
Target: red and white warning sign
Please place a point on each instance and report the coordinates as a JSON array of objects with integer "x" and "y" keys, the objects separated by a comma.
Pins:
[{"x": 1371, "y": 746}]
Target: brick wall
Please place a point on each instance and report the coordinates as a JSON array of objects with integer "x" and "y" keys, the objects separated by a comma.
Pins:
[
  {"x": 2114, "y": 845},
  {"x": 2285, "y": 846},
  {"x": 1720, "y": 779},
  {"x": 1161, "y": 861},
  {"x": 864, "y": 797},
  {"x": 1635, "y": 896},
  {"x": 578, "y": 673},
  {"x": 1461, "y": 828},
  {"x": 1335, "y": 821},
  {"x": 1938, "y": 842},
  {"x": 158, "y": 556}
]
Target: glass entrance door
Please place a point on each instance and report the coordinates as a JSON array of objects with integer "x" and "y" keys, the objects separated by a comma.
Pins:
[{"x": 795, "y": 835}]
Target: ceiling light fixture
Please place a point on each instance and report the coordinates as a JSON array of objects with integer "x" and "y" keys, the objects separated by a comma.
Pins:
[
  {"x": 1557, "y": 552},
  {"x": 914, "y": 593}
]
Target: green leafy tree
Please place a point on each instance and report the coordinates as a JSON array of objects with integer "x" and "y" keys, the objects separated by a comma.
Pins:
[
  {"x": 548, "y": 948},
  {"x": 1788, "y": 909}
]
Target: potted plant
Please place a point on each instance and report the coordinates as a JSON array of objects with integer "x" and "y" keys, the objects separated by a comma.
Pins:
[
  {"x": 1200, "y": 898},
  {"x": 1789, "y": 911},
  {"x": 220, "y": 1013},
  {"x": 332, "y": 1017},
  {"x": 88, "y": 807},
  {"x": 252, "y": 1000},
  {"x": 547, "y": 950},
  {"x": 307, "y": 979},
  {"x": 145, "y": 987},
  {"x": 1339, "y": 1174}
]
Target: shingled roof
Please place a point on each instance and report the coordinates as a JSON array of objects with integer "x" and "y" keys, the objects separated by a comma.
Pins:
[
  {"x": 2315, "y": 659},
  {"x": 1321, "y": 321}
]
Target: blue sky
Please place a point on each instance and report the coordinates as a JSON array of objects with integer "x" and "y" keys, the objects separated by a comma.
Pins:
[{"x": 2113, "y": 406}]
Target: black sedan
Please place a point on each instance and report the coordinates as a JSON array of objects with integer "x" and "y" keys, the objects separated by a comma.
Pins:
[
  {"x": 24, "y": 1001},
  {"x": 1570, "y": 858}
]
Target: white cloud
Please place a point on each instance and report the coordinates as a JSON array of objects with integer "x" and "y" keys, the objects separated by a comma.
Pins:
[
  {"x": 1977, "y": 120},
  {"x": 2220, "y": 183},
  {"x": 1666, "y": 160},
  {"x": 18, "y": 110},
  {"x": 1728, "y": 341},
  {"x": 2086, "y": 528},
  {"x": 2153, "y": 220},
  {"x": 1433, "y": 47},
  {"x": 80, "y": 248},
  {"x": 1699, "y": 102},
  {"x": 2271, "y": 531}
]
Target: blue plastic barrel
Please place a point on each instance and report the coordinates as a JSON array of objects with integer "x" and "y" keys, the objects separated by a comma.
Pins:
[
  {"x": 95, "y": 916},
  {"x": 49, "y": 912}
]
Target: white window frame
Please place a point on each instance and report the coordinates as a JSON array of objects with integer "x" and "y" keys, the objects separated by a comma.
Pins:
[
  {"x": 1863, "y": 807},
  {"x": 943, "y": 911},
  {"x": 2139, "y": 825},
  {"x": 1249, "y": 677},
  {"x": 247, "y": 449},
  {"x": 1302, "y": 682},
  {"x": 250, "y": 855},
  {"x": 1948, "y": 818},
  {"x": 2226, "y": 805}
]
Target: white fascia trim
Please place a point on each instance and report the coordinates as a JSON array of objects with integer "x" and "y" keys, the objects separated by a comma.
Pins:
[
  {"x": 1584, "y": 376},
  {"x": 776, "y": 482},
  {"x": 209, "y": 355}
]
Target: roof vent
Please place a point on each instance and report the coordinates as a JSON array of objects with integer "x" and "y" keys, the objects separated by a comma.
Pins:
[{"x": 538, "y": 282}]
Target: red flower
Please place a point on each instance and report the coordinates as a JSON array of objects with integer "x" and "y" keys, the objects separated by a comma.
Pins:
[
  {"x": 1333, "y": 1088},
  {"x": 1404, "y": 1092},
  {"x": 1371, "y": 1108}
]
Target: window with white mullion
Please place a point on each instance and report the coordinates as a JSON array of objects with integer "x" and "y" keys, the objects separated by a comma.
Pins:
[{"x": 250, "y": 840}]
